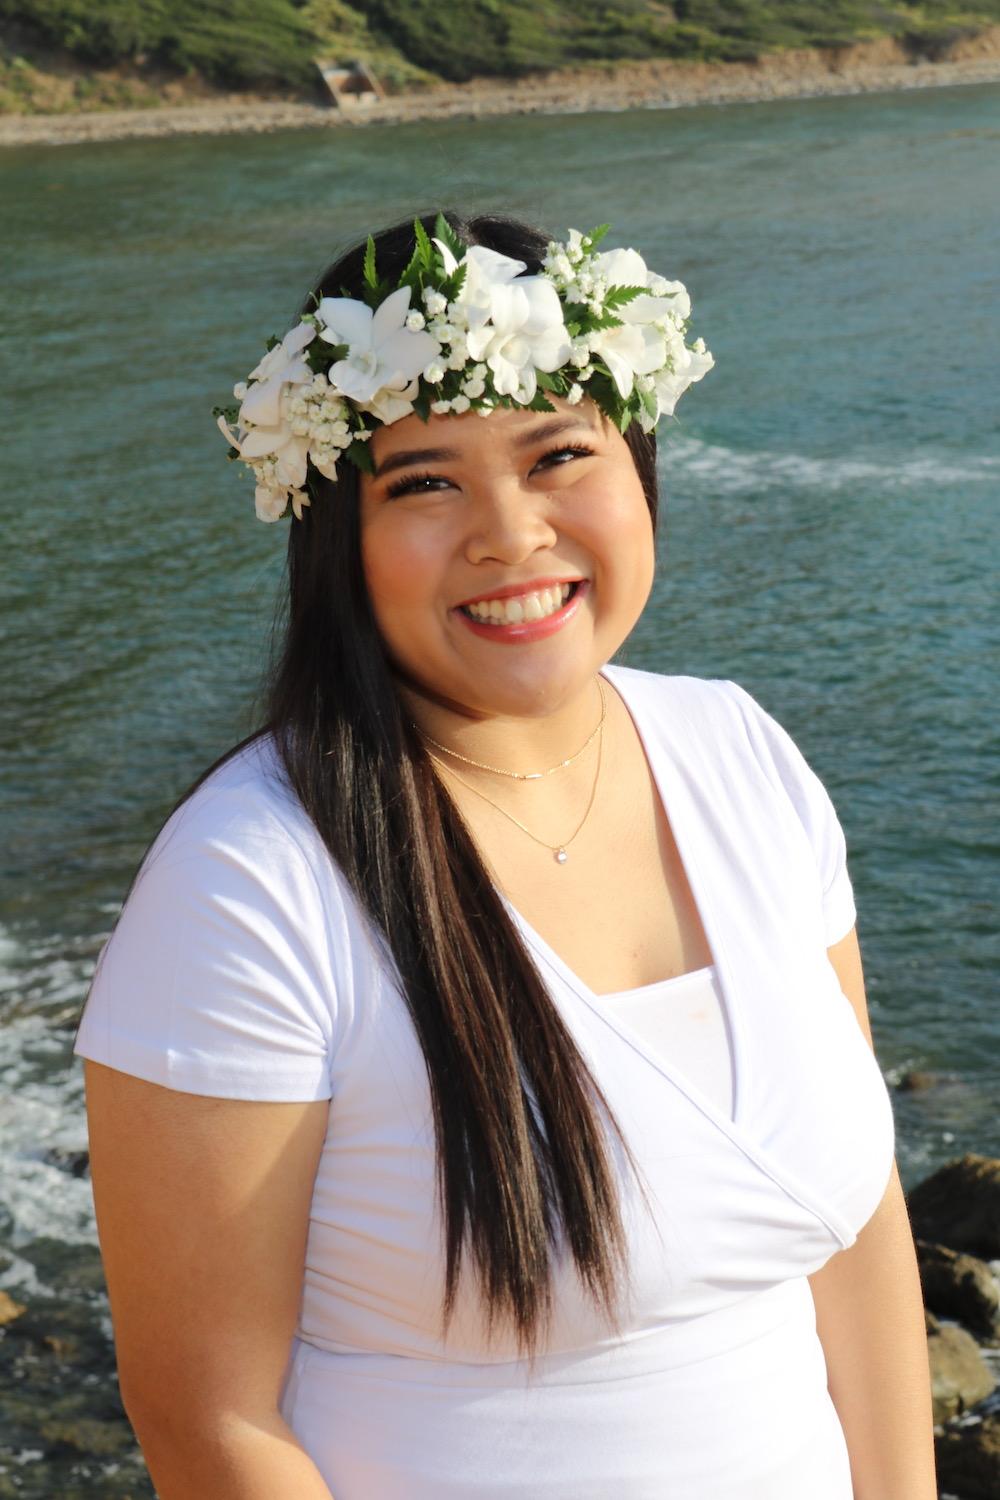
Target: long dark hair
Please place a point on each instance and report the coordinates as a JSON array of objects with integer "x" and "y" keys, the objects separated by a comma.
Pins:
[{"x": 522, "y": 1153}]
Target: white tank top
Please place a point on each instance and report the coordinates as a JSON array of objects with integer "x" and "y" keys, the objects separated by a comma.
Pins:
[{"x": 683, "y": 1020}]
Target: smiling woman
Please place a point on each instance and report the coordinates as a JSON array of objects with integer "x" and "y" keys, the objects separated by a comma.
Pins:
[{"x": 465, "y": 1061}]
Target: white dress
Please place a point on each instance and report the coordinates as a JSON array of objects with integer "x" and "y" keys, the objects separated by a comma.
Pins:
[{"x": 242, "y": 967}]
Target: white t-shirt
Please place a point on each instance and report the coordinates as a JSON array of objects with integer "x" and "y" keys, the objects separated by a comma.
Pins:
[
  {"x": 242, "y": 967},
  {"x": 684, "y": 1019}
]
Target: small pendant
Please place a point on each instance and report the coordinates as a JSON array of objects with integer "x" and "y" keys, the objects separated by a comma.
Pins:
[{"x": 561, "y": 856}]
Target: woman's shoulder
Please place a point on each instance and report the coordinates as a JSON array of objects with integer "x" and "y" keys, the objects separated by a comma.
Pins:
[
  {"x": 243, "y": 808},
  {"x": 715, "y": 704},
  {"x": 714, "y": 721}
]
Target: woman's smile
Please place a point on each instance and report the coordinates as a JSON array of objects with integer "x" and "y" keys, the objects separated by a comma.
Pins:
[{"x": 519, "y": 617}]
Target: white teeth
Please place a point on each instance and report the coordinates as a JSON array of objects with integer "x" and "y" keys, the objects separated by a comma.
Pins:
[{"x": 533, "y": 606}]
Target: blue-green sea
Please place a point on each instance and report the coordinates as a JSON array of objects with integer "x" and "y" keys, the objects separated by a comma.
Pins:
[{"x": 830, "y": 520}]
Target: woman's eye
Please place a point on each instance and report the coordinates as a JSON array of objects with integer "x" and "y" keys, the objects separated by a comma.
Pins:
[
  {"x": 412, "y": 484},
  {"x": 559, "y": 453}
]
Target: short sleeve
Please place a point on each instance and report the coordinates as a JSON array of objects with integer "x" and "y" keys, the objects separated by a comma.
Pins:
[
  {"x": 216, "y": 979},
  {"x": 786, "y": 765}
]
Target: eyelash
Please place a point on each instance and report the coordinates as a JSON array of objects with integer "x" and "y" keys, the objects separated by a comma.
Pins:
[{"x": 409, "y": 481}]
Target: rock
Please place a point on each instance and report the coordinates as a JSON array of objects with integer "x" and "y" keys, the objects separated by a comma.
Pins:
[
  {"x": 959, "y": 1375},
  {"x": 9, "y": 1309},
  {"x": 968, "y": 1459},
  {"x": 959, "y": 1206},
  {"x": 77, "y": 1163},
  {"x": 915, "y": 1081},
  {"x": 86, "y": 1435},
  {"x": 959, "y": 1286}
]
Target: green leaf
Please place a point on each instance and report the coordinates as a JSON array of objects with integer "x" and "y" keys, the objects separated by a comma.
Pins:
[
  {"x": 539, "y": 402},
  {"x": 422, "y": 403},
  {"x": 547, "y": 382},
  {"x": 424, "y": 249},
  {"x": 443, "y": 231},
  {"x": 596, "y": 236},
  {"x": 617, "y": 296},
  {"x": 370, "y": 274},
  {"x": 453, "y": 284},
  {"x": 360, "y": 456},
  {"x": 414, "y": 270},
  {"x": 272, "y": 343}
]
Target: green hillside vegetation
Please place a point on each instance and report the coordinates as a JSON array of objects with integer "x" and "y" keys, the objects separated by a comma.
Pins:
[{"x": 269, "y": 46}]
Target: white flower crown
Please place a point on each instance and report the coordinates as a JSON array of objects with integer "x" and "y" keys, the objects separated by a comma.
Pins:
[{"x": 483, "y": 335}]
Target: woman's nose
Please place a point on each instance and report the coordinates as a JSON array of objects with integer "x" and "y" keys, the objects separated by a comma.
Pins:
[{"x": 508, "y": 521}]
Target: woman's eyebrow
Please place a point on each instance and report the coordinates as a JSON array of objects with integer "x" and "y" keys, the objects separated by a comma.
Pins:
[
  {"x": 405, "y": 458},
  {"x": 550, "y": 429}
]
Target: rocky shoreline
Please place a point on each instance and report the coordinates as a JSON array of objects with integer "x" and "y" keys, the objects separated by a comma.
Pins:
[
  {"x": 67, "y": 1433},
  {"x": 882, "y": 66}
]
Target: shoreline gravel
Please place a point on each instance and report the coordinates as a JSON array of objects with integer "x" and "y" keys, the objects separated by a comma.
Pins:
[{"x": 875, "y": 67}]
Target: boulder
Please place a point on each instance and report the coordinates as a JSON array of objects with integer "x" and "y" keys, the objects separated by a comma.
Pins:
[
  {"x": 968, "y": 1459},
  {"x": 959, "y": 1375},
  {"x": 959, "y": 1206},
  {"x": 960, "y": 1286}
]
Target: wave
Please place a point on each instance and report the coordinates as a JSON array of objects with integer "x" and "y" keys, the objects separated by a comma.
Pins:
[{"x": 736, "y": 471}]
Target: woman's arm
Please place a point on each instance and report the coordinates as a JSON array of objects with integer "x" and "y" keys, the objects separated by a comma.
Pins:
[
  {"x": 870, "y": 1319},
  {"x": 202, "y": 1212}
]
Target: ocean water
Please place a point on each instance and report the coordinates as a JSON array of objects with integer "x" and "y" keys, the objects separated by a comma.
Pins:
[{"x": 830, "y": 522}]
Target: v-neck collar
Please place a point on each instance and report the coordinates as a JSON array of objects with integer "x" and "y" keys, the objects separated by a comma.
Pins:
[{"x": 680, "y": 817}]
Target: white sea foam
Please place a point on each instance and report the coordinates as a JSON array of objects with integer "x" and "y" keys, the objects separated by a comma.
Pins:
[
  {"x": 41, "y": 1111},
  {"x": 733, "y": 471},
  {"x": 41, "y": 1100}
]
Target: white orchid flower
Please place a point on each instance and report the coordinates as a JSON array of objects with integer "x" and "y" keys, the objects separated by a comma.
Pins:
[
  {"x": 669, "y": 299},
  {"x": 281, "y": 366},
  {"x": 631, "y": 350},
  {"x": 686, "y": 365},
  {"x": 270, "y": 504},
  {"x": 518, "y": 331},
  {"x": 384, "y": 356},
  {"x": 390, "y": 405},
  {"x": 483, "y": 268}
]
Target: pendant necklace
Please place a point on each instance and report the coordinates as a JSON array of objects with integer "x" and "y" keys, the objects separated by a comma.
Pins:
[{"x": 558, "y": 850}]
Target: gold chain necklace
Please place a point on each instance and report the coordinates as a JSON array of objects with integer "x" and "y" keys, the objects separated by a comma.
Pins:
[
  {"x": 520, "y": 775},
  {"x": 558, "y": 850}
]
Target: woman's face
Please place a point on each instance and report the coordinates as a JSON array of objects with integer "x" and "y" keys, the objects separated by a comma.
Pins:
[{"x": 468, "y": 508}]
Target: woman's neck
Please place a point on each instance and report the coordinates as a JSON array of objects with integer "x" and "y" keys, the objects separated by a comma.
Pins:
[{"x": 527, "y": 743}]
